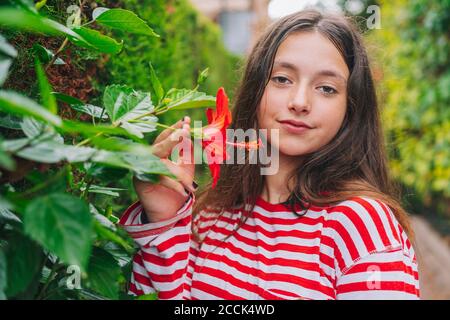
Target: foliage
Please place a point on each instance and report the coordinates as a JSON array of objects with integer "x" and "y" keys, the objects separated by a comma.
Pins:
[
  {"x": 416, "y": 95},
  {"x": 64, "y": 173},
  {"x": 188, "y": 44}
]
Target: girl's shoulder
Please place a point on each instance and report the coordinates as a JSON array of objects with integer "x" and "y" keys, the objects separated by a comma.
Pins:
[{"x": 360, "y": 226}]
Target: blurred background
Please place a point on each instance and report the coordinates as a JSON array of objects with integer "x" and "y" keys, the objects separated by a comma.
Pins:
[
  {"x": 410, "y": 54},
  {"x": 409, "y": 50}
]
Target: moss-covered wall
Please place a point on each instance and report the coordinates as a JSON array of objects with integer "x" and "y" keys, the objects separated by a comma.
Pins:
[{"x": 189, "y": 43}]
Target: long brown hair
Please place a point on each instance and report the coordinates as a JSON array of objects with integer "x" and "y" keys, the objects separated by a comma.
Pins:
[{"x": 353, "y": 163}]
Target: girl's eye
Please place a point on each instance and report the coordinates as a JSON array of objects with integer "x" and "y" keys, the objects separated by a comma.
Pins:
[
  {"x": 280, "y": 80},
  {"x": 328, "y": 90}
]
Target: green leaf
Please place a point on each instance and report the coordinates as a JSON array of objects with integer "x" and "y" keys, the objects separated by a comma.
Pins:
[
  {"x": 101, "y": 219},
  {"x": 88, "y": 295},
  {"x": 67, "y": 99},
  {"x": 4, "y": 204},
  {"x": 45, "y": 145},
  {"x": 98, "y": 11},
  {"x": 105, "y": 233},
  {"x": 34, "y": 128},
  {"x": 8, "y": 215},
  {"x": 91, "y": 110},
  {"x": 103, "y": 273},
  {"x": 11, "y": 122},
  {"x": 89, "y": 130},
  {"x": 28, "y": 21},
  {"x": 25, "y": 259},
  {"x": 109, "y": 158},
  {"x": 115, "y": 100},
  {"x": 150, "y": 296},
  {"x": 121, "y": 144},
  {"x": 62, "y": 224},
  {"x": 95, "y": 40},
  {"x": 182, "y": 99},
  {"x": 156, "y": 85},
  {"x": 149, "y": 177},
  {"x": 3, "y": 275},
  {"x": 202, "y": 76},
  {"x": 103, "y": 190},
  {"x": 124, "y": 20},
  {"x": 40, "y": 4},
  {"x": 48, "y": 100},
  {"x": 53, "y": 152},
  {"x": 6, "y": 161},
  {"x": 121, "y": 253},
  {"x": 14, "y": 145},
  {"x": 146, "y": 164},
  {"x": 104, "y": 173},
  {"x": 5, "y": 63},
  {"x": 139, "y": 164},
  {"x": 124, "y": 105},
  {"x": 46, "y": 55},
  {"x": 15, "y": 103},
  {"x": 79, "y": 105},
  {"x": 27, "y": 5},
  {"x": 6, "y": 48}
]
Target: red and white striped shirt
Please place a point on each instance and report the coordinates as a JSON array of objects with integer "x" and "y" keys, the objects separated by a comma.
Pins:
[{"x": 354, "y": 250}]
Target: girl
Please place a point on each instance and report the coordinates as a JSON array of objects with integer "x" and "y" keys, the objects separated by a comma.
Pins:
[{"x": 327, "y": 225}]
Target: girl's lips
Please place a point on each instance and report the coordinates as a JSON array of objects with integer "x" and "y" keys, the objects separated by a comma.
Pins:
[{"x": 289, "y": 127}]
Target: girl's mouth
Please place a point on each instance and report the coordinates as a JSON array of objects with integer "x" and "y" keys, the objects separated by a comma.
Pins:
[{"x": 294, "y": 127}]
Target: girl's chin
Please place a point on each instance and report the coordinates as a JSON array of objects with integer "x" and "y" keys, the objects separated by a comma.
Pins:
[
  {"x": 293, "y": 151},
  {"x": 291, "y": 147},
  {"x": 292, "y": 154}
]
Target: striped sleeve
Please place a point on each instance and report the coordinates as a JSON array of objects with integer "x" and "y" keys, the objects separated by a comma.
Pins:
[
  {"x": 161, "y": 263},
  {"x": 372, "y": 255},
  {"x": 388, "y": 275}
]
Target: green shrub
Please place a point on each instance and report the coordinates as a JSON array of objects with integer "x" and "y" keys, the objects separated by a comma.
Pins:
[{"x": 70, "y": 141}]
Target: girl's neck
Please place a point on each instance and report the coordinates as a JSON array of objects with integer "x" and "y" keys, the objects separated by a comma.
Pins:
[{"x": 276, "y": 187}]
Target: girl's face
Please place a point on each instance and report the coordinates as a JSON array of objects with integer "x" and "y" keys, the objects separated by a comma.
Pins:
[{"x": 306, "y": 97}]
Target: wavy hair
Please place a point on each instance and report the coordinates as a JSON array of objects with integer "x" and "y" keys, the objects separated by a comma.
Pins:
[{"x": 353, "y": 163}]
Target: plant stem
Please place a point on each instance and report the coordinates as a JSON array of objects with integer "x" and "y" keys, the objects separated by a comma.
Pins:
[
  {"x": 55, "y": 56},
  {"x": 87, "y": 140},
  {"x": 161, "y": 111},
  {"x": 40, "y": 4},
  {"x": 49, "y": 279},
  {"x": 168, "y": 127},
  {"x": 44, "y": 184},
  {"x": 84, "y": 194},
  {"x": 164, "y": 126}
]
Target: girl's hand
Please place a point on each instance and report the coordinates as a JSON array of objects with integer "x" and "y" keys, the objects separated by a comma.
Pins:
[{"x": 162, "y": 200}]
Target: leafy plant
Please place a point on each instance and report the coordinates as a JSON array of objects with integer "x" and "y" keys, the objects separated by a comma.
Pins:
[
  {"x": 58, "y": 225},
  {"x": 415, "y": 88}
]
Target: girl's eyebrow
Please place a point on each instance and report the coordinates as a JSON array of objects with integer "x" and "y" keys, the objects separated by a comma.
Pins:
[
  {"x": 327, "y": 73},
  {"x": 333, "y": 74}
]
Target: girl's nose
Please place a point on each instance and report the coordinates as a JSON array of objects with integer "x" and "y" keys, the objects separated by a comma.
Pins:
[{"x": 300, "y": 101}]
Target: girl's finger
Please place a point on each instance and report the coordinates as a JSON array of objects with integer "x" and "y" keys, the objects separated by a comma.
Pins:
[
  {"x": 167, "y": 132},
  {"x": 173, "y": 185},
  {"x": 186, "y": 150},
  {"x": 164, "y": 148},
  {"x": 184, "y": 175}
]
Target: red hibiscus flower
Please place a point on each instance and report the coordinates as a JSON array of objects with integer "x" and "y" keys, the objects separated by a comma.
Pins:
[{"x": 214, "y": 135}]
